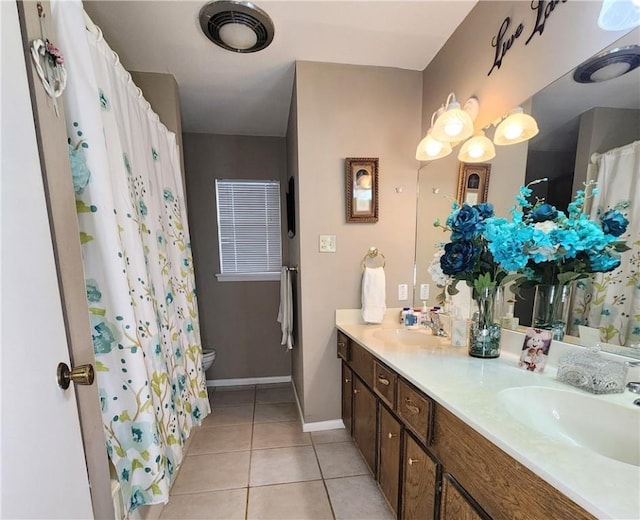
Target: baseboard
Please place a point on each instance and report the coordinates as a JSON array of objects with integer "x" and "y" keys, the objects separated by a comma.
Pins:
[
  {"x": 248, "y": 381},
  {"x": 334, "y": 424}
]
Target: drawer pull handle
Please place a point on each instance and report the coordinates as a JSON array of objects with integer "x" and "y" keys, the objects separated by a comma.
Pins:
[
  {"x": 411, "y": 407},
  {"x": 413, "y": 461},
  {"x": 392, "y": 435},
  {"x": 347, "y": 380},
  {"x": 384, "y": 381},
  {"x": 341, "y": 344},
  {"x": 356, "y": 391}
]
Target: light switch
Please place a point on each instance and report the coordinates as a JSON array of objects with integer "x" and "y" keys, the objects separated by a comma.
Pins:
[
  {"x": 403, "y": 292},
  {"x": 424, "y": 291},
  {"x": 327, "y": 243}
]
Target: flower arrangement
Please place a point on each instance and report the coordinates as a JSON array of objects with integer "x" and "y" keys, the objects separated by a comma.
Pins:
[
  {"x": 468, "y": 256},
  {"x": 546, "y": 246}
]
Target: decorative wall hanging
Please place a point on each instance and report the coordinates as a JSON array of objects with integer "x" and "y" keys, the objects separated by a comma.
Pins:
[
  {"x": 53, "y": 74},
  {"x": 362, "y": 189},
  {"x": 473, "y": 183}
]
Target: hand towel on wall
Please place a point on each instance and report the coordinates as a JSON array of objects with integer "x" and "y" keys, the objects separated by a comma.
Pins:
[
  {"x": 285, "y": 313},
  {"x": 373, "y": 295}
]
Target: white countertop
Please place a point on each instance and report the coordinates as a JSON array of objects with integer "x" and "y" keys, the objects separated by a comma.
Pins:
[{"x": 468, "y": 386}]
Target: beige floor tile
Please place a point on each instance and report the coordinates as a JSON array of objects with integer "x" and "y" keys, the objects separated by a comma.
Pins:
[
  {"x": 221, "y": 439},
  {"x": 212, "y": 473},
  {"x": 275, "y": 395},
  {"x": 297, "y": 501},
  {"x": 357, "y": 498},
  {"x": 232, "y": 398},
  {"x": 341, "y": 459},
  {"x": 279, "y": 434},
  {"x": 278, "y": 412},
  {"x": 229, "y": 415},
  {"x": 282, "y": 465},
  {"x": 213, "y": 505},
  {"x": 327, "y": 436}
]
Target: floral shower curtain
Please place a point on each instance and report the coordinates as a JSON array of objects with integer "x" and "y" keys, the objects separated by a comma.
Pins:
[
  {"x": 611, "y": 301},
  {"x": 137, "y": 263}
]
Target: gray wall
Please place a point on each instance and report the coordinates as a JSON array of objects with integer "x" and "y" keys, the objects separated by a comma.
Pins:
[
  {"x": 238, "y": 319},
  {"x": 349, "y": 111}
]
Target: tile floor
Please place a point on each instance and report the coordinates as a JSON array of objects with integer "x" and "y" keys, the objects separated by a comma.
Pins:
[{"x": 251, "y": 460}]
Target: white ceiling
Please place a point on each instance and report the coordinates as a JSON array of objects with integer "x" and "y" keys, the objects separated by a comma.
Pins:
[{"x": 249, "y": 94}]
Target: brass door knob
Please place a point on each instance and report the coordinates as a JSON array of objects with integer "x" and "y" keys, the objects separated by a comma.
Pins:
[
  {"x": 80, "y": 375},
  {"x": 392, "y": 435},
  {"x": 413, "y": 461}
]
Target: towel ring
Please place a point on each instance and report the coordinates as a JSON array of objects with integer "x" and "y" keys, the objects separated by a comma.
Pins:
[{"x": 373, "y": 258}]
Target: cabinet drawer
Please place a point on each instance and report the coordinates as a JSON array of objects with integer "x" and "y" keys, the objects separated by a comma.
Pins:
[
  {"x": 343, "y": 346},
  {"x": 416, "y": 410},
  {"x": 362, "y": 363},
  {"x": 384, "y": 384}
]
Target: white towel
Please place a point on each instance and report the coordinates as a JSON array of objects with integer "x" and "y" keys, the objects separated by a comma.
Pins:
[
  {"x": 285, "y": 312},
  {"x": 373, "y": 295}
]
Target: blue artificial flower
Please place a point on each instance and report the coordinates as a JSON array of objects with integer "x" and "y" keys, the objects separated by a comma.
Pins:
[
  {"x": 458, "y": 257},
  {"x": 464, "y": 223},
  {"x": 544, "y": 212},
  {"x": 484, "y": 209},
  {"x": 614, "y": 223},
  {"x": 603, "y": 263}
]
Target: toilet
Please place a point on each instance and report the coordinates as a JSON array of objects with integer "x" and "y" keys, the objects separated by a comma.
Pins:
[{"x": 208, "y": 357}]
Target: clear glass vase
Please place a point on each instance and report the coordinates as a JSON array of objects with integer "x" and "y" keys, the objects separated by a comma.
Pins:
[
  {"x": 484, "y": 332},
  {"x": 551, "y": 308}
]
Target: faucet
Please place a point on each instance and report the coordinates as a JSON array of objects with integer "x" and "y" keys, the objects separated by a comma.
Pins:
[
  {"x": 633, "y": 386},
  {"x": 436, "y": 325}
]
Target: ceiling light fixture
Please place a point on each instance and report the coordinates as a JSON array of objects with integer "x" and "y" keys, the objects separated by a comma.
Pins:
[
  {"x": 455, "y": 123},
  {"x": 236, "y": 26},
  {"x": 430, "y": 148},
  {"x": 608, "y": 65},
  {"x": 477, "y": 149},
  {"x": 515, "y": 128}
]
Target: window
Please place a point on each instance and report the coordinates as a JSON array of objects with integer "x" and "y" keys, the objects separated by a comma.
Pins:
[{"x": 249, "y": 230}]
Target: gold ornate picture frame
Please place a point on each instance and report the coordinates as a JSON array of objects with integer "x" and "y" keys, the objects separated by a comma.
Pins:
[
  {"x": 473, "y": 183},
  {"x": 361, "y": 182}
]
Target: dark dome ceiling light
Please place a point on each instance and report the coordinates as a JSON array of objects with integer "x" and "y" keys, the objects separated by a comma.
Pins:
[
  {"x": 608, "y": 65},
  {"x": 236, "y": 26}
]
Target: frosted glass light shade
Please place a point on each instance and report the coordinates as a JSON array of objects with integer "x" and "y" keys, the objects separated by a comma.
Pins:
[
  {"x": 477, "y": 149},
  {"x": 430, "y": 148},
  {"x": 238, "y": 36},
  {"x": 516, "y": 128},
  {"x": 453, "y": 125}
]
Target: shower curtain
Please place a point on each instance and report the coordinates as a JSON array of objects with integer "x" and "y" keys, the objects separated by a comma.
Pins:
[
  {"x": 611, "y": 301},
  {"x": 137, "y": 263}
]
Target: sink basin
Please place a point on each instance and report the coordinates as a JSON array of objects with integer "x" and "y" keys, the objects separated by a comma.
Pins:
[
  {"x": 410, "y": 337},
  {"x": 601, "y": 426}
]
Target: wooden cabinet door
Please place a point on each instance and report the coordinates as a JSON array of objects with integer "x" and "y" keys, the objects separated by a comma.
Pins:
[
  {"x": 455, "y": 505},
  {"x": 420, "y": 482},
  {"x": 389, "y": 457},
  {"x": 364, "y": 422},
  {"x": 347, "y": 397}
]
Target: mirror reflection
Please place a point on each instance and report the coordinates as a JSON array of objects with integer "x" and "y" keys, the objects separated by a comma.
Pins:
[{"x": 586, "y": 130}]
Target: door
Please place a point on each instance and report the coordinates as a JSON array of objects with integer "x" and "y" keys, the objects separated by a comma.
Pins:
[
  {"x": 389, "y": 457},
  {"x": 44, "y": 472},
  {"x": 419, "y": 490},
  {"x": 364, "y": 422},
  {"x": 347, "y": 396},
  {"x": 455, "y": 505}
]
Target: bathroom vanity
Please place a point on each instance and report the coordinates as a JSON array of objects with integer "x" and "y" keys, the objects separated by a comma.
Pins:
[{"x": 441, "y": 435}]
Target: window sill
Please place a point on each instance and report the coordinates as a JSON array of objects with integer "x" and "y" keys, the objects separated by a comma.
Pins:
[{"x": 248, "y": 277}]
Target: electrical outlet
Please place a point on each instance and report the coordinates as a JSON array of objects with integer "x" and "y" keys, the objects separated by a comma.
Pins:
[
  {"x": 327, "y": 243},
  {"x": 403, "y": 292},
  {"x": 424, "y": 291}
]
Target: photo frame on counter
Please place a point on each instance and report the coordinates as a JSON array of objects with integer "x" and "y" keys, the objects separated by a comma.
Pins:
[
  {"x": 473, "y": 183},
  {"x": 361, "y": 182}
]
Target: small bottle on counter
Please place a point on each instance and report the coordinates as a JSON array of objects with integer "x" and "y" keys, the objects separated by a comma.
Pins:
[
  {"x": 508, "y": 320},
  {"x": 403, "y": 315}
]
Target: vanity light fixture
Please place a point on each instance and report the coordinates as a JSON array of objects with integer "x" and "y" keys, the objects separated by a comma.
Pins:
[
  {"x": 455, "y": 124},
  {"x": 430, "y": 148},
  {"x": 477, "y": 149},
  {"x": 236, "y": 26},
  {"x": 515, "y": 128}
]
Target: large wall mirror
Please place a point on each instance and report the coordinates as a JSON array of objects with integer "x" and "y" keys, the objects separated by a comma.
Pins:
[{"x": 575, "y": 121}]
